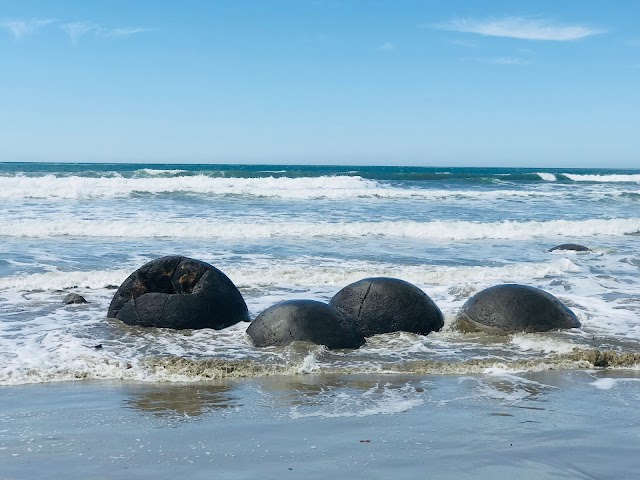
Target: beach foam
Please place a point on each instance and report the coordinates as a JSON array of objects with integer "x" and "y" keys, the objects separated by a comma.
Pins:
[
  {"x": 75, "y": 360},
  {"x": 536, "y": 342},
  {"x": 337, "y": 274},
  {"x": 384, "y": 399},
  {"x": 607, "y": 383},
  {"x": 167, "y": 227}
]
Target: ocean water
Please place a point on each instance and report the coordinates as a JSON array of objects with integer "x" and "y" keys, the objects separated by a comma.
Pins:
[{"x": 287, "y": 232}]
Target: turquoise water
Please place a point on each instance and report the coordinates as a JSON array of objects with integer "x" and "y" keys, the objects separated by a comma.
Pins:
[{"x": 401, "y": 173}]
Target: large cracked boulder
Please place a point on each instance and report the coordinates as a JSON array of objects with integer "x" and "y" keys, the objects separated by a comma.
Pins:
[
  {"x": 304, "y": 320},
  {"x": 514, "y": 308},
  {"x": 181, "y": 293},
  {"x": 383, "y": 305}
]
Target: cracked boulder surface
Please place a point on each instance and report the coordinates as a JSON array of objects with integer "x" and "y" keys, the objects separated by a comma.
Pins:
[
  {"x": 513, "y": 308},
  {"x": 180, "y": 293},
  {"x": 304, "y": 320},
  {"x": 384, "y": 305}
]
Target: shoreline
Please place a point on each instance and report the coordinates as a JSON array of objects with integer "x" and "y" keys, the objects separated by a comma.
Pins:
[{"x": 305, "y": 359}]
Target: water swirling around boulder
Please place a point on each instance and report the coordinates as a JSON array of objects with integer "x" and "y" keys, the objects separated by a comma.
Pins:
[
  {"x": 180, "y": 293},
  {"x": 304, "y": 320},
  {"x": 513, "y": 308},
  {"x": 383, "y": 305}
]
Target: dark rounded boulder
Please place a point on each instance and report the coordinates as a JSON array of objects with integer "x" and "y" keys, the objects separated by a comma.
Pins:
[
  {"x": 383, "y": 305},
  {"x": 515, "y": 308},
  {"x": 571, "y": 247},
  {"x": 178, "y": 292},
  {"x": 74, "y": 298},
  {"x": 304, "y": 320}
]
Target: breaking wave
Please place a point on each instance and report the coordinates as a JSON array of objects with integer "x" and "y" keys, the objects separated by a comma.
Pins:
[
  {"x": 549, "y": 177},
  {"x": 603, "y": 178},
  {"x": 201, "y": 228},
  {"x": 159, "y": 182}
]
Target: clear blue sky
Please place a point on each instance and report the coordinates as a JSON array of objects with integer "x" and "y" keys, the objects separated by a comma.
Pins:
[{"x": 469, "y": 83}]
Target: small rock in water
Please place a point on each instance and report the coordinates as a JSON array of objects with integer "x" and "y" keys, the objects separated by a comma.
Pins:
[
  {"x": 74, "y": 298},
  {"x": 98, "y": 347},
  {"x": 570, "y": 246}
]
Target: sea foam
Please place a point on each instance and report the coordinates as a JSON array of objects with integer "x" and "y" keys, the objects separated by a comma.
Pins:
[
  {"x": 635, "y": 178},
  {"x": 608, "y": 383},
  {"x": 336, "y": 274},
  {"x": 168, "y": 227}
]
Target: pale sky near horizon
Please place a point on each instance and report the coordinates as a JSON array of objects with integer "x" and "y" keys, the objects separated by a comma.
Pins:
[{"x": 448, "y": 83}]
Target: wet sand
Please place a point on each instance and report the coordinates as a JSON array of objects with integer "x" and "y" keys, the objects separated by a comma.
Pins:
[{"x": 557, "y": 424}]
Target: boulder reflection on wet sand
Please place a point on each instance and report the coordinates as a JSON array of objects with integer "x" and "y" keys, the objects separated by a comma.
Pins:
[{"x": 187, "y": 400}]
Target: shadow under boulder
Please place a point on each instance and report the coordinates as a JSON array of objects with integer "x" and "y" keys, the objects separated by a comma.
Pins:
[
  {"x": 384, "y": 305},
  {"x": 513, "y": 308},
  {"x": 181, "y": 293},
  {"x": 304, "y": 320}
]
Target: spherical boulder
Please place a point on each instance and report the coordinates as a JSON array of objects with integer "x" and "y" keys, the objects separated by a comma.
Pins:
[
  {"x": 515, "y": 308},
  {"x": 181, "y": 293},
  {"x": 304, "y": 320},
  {"x": 571, "y": 247},
  {"x": 383, "y": 305}
]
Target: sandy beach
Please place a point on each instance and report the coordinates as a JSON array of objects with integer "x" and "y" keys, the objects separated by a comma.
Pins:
[{"x": 558, "y": 424}]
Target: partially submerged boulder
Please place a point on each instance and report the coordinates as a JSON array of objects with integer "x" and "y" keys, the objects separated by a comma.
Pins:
[
  {"x": 304, "y": 320},
  {"x": 512, "y": 308},
  {"x": 74, "y": 298},
  {"x": 181, "y": 293},
  {"x": 383, "y": 305},
  {"x": 571, "y": 247}
]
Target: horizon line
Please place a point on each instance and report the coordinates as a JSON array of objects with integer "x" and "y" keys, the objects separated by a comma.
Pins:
[{"x": 313, "y": 165}]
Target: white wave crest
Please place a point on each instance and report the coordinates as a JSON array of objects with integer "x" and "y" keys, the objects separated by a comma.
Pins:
[
  {"x": 603, "y": 178},
  {"x": 436, "y": 230},
  {"x": 329, "y": 187},
  {"x": 548, "y": 177},
  {"x": 154, "y": 171}
]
